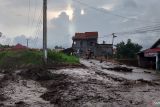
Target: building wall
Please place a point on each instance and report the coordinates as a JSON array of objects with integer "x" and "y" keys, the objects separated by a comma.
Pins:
[
  {"x": 103, "y": 50},
  {"x": 82, "y": 46},
  {"x": 146, "y": 62}
]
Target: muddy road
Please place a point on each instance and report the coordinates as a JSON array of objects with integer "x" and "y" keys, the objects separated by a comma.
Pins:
[{"x": 94, "y": 86}]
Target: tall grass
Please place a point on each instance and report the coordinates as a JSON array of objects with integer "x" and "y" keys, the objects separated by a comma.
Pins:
[
  {"x": 62, "y": 58},
  {"x": 19, "y": 58}
]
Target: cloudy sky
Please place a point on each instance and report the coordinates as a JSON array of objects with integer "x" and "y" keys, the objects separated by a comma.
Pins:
[{"x": 22, "y": 19}]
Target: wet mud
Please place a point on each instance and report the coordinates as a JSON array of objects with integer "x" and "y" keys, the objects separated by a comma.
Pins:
[{"x": 77, "y": 87}]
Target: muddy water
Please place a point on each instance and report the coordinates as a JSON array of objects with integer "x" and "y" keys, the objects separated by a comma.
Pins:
[{"x": 137, "y": 73}]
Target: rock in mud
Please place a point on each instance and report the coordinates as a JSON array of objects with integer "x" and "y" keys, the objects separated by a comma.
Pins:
[
  {"x": 146, "y": 82},
  {"x": 147, "y": 72},
  {"x": 119, "y": 68},
  {"x": 21, "y": 104}
]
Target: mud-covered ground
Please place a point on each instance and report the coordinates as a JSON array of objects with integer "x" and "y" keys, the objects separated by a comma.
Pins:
[{"x": 94, "y": 86}]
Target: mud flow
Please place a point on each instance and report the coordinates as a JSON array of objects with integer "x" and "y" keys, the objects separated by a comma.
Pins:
[{"x": 96, "y": 85}]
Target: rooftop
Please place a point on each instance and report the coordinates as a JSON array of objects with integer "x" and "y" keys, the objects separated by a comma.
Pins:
[
  {"x": 155, "y": 44},
  {"x": 86, "y": 35}
]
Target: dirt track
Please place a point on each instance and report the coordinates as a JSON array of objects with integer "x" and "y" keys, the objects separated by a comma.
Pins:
[{"x": 90, "y": 87}]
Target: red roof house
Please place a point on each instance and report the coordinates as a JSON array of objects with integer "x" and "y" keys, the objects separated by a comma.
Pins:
[
  {"x": 19, "y": 47},
  {"x": 150, "y": 57},
  {"x": 86, "y": 35}
]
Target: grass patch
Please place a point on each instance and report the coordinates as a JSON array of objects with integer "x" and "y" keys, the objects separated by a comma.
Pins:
[
  {"x": 15, "y": 59},
  {"x": 62, "y": 58}
]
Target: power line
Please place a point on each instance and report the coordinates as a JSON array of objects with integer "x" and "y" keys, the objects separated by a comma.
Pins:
[
  {"x": 144, "y": 29},
  {"x": 39, "y": 23},
  {"x": 28, "y": 21},
  {"x": 108, "y": 12},
  {"x": 34, "y": 14},
  {"x": 150, "y": 29}
]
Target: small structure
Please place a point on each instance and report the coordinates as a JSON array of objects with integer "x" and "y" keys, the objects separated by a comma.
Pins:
[
  {"x": 58, "y": 49},
  {"x": 150, "y": 58},
  {"x": 103, "y": 50},
  {"x": 87, "y": 43}
]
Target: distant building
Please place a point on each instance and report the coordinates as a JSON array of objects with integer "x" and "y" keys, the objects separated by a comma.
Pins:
[
  {"x": 150, "y": 58},
  {"x": 88, "y": 41},
  {"x": 19, "y": 47},
  {"x": 58, "y": 49}
]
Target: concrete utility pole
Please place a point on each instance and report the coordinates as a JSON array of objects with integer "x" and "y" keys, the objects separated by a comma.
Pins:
[
  {"x": 113, "y": 34},
  {"x": 27, "y": 42},
  {"x": 45, "y": 31}
]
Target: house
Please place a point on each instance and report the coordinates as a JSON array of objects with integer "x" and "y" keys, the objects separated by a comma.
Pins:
[
  {"x": 19, "y": 47},
  {"x": 150, "y": 58},
  {"x": 88, "y": 42}
]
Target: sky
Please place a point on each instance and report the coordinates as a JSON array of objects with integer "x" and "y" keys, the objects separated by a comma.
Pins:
[{"x": 22, "y": 19}]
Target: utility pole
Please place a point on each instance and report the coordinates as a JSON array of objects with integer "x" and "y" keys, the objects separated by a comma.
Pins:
[
  {"x": 113, "y": 34},
  {"x": 45, "y": 31},
  {"x": 27, "y": 42}
]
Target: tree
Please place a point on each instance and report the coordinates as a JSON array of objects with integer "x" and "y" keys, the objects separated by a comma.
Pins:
[
  {"x": 127, "y": 50},
  {"x": 58, "y": 47}
]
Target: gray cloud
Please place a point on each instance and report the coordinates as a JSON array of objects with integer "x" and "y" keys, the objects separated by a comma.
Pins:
[
  {"x": 32, "y": 42},
  {"x": 13, "y": 20}
]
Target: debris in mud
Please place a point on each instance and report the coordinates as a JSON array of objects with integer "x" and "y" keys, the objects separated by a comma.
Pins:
[
  {"x": 110, "y": 77},
  {"x": 3, "y": 97},
  {"x": 65, "y": 91},
  {"x": 147, "y": 72},
  {"x": 101, "y": 61},
  {"x": 1, "y": 105},
  {"x": 147, "y": 82},
  {"x": 10, "y": 76},
  {"x": 119, "y": 68},
  {"x": 36, "y": 74},
  {"x": 21, "y": 104},
  {"x": 57, "y": 66},
  {"x": 57, "y": 87},
  {"x": 6, "y": 78}
]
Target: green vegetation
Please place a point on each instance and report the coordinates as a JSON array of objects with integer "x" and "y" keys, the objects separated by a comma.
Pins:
[
  {"x": 12, "y": 59},
  {"x": 62, "y": 58},
  {"x": 127, "y": 50}
]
